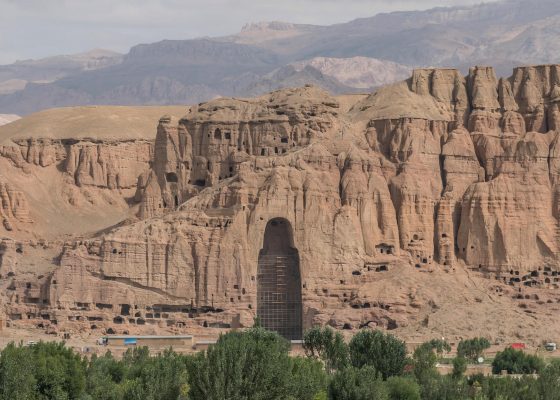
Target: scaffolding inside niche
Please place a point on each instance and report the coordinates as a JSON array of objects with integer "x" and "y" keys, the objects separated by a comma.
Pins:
[
  {"x": 279, "y": 300},
  {"x": 279, "y": 295}
]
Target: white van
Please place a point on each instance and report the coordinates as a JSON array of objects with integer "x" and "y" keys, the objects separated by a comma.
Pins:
[{"x": 550, "y": 346}]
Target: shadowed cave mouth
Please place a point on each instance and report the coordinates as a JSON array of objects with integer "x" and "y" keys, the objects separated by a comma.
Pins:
[
  {"x": 279, "y": 304},
  {"x": 171, "y": 177}
]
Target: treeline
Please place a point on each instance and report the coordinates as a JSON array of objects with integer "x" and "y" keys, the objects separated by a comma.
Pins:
[{"x": 256, "y": 365}]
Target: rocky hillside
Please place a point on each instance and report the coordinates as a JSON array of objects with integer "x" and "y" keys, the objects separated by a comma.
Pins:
[
  {"x": 357, "y": 72},
  {"x": 429, "y": 208},
  {"x": 342, "y": 58}
]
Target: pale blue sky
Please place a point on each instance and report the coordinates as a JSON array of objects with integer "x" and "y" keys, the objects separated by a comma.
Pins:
[{"x": 40, "y": 28}]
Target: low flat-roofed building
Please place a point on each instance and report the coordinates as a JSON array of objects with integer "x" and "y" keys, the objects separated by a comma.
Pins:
[
  {"x": 203, "y": 344},
  {"x": 296, "y": 346},
  {"x": 149, "y": 341}
]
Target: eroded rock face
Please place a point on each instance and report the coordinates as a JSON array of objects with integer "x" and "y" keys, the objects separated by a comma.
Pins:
[
  {"x": 462, "y": 173},
  {"x": 105, "y": 164},
  {"x": 211, "y": 143},
  {"x": 78, "y": 167},
  {"x": 13, "y": 207}
]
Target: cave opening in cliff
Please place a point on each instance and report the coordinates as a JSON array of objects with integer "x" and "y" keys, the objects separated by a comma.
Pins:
[
  {"x": 171, "y": 177},
  {"x": 279, "y": 303}
]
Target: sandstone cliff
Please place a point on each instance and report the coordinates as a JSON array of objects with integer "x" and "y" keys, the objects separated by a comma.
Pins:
[
  {"x": 82, "y": 163},
  {"x": 428, "y": 198}
]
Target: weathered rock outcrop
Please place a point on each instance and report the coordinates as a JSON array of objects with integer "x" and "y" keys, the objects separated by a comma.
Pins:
[
  {"x": 375, "y": 208},
  {"x": 215, "y": 139},
  {"x": 83, "y": 163},
  {"x": 105, "y": 164},
  {"x": 13, "y": 206}
]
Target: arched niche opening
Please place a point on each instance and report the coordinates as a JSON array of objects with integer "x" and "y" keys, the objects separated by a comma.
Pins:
[{"x": 279, "y": 303}]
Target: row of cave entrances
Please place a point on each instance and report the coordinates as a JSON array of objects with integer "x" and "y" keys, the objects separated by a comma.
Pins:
[
  {"x": 533, "y": 278},
  {"x": 279, "y": 297}
]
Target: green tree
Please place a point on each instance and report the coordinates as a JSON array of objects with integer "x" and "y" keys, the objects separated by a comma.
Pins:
[
  {"x": 163, "y": 377},
  {"x": 242, "y": 365},
  {"x": 424, "y": 361},
  {"x": 440, "y": 346},
  {"x": 472, "y": 349},
  {"x": 549, "y": 381},
  {"x": 401, "y": 388},
  {"x": 357, "y": 384},
  {"x": 42, "y": 371},
  {"x": 104, "y": 377},
  {"x": 516, "y": 362},
  {"x": 308, "y": 378},
  {"x": 459, "y": 367},
  {"x": 134, "y": 359},
  {"x": 507, "y": 388},
  {"x": 444, "y": 387},
  {"x": 384, "y": 352},
  {"x": 17, "y": 380},
  {"x": 321, "y": 396},
  {"x": 327, "y": 345},
  {"x": 255, "y": 365},
  {"x": 60, "y": 372}
]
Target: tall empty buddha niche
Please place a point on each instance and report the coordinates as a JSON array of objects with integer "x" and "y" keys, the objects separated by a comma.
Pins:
[{"x": 279, "y": 305}]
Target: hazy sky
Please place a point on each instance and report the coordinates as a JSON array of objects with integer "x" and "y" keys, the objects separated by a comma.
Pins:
[{"x": 39, "y": 28}]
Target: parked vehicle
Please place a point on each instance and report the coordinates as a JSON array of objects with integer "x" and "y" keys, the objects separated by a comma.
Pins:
[{"x": 551, "y": 346}]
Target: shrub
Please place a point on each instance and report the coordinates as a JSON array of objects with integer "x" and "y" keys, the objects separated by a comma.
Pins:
[
  {"x": 516, "y": 362},
  {"x": 357, "y": 384},
  {"x": 459, "y": 367},
  {"x": 439, "y": 387},
  {"x": 321, "y": 396},
  {"x": 401, "y": 388}
]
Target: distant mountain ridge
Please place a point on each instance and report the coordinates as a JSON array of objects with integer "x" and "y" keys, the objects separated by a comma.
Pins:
[
  {"x": 348, "y": 57},
  {"x": 50, "y": 69}
]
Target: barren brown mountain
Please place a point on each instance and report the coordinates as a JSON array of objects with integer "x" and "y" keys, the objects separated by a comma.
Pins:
[
  {"x": 341, "y": 58},
  {"x": 428, "y": 208}
]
